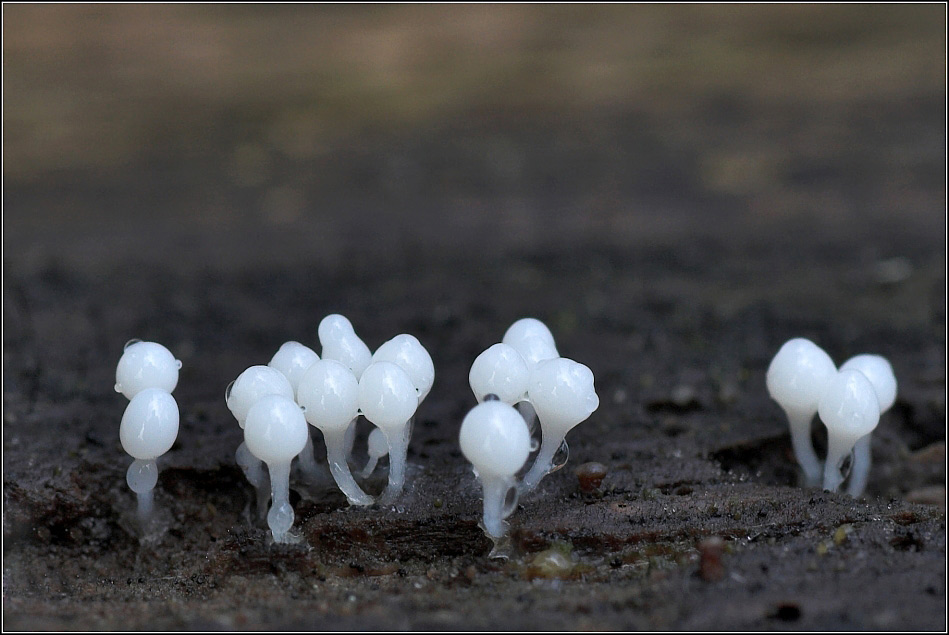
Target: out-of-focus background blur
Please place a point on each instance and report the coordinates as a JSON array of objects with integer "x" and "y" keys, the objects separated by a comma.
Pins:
[{"x": 387, "y": 131}]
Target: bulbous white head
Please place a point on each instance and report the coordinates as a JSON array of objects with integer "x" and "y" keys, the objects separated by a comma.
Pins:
[
  {"x": 406, "y": 351},
  {"x": 880, "y": 373},
  {"x": 849, "y": 407},
  {"x": 150, "y": 424},
  {"x": 494, "y": 439},
  {"x": 377, "y": 444},
  {"x": 340, "y": 342},
  {"x": 146, "y": 365},
  {"x": 533, "y": 340},
  {"x": 253, "y": 384},
  {"x": 798, "y": 375},
  {"x": 561, "y": 391},
  {"x": 293, "y": 359},
  {"x": 275, "y": 430},
  {"x": 329, "y": 394},
  {"x": 499, "y": 370},
  {"x": 387, "y": 396}
]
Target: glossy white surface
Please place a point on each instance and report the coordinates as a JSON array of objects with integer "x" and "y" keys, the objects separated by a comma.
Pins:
[
  {"x": 329, "y": 394},
  {"x": 292, "y": 360},
  {"x": 502, "y": 371},
  {"x": 387, "y": 396},
  {"x": 408, "y": 353},
  {"x": 880, "y": 373},
  {"x": 251, "y": 386},
  {"x": 150, "y": 424},
  {"x": 340, "y": 342},
  {"x": 275, "y": 430},
  {"x": 146, "y": 365},
  {"x": 798, "y": 375},
  {"x": 562, "y": 392},
  {"x": 494, "y": 439}
]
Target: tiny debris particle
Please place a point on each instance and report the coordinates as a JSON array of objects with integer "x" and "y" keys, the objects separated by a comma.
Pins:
[
  {"x": 822, "y": 548},
  {"x": 471, "y": 572},
  {"x": 711, "y": 550},
  {"x": 683, "y": 396},
  {"x": 840, "y": 536},
  {"x": 591, "y": 475},
  {"x": 550, "y": 563},
  {"x": 43, "y": 534}
]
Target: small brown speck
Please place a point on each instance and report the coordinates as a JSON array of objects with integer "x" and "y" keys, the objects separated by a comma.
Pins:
[
  {"x": 591, "y": 475},
  {"x": 711, "y": 550}
]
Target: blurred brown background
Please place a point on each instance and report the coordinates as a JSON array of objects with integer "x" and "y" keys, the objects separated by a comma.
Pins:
[{"x": 337, "y": 129}]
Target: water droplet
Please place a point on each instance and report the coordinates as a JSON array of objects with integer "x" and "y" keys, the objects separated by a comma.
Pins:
[
  {"x": 491, "y": 397},
  {"x": 560, "y": 457},
  {"x": 227, "y": 391},
  {"x": 130, "y": 343},
  {"x": 535, "y": 443},
  {"x": 178, "y": 362},
  {"x": 118, "y": 388}
]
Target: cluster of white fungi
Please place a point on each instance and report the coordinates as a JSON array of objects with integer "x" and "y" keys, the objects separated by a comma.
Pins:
[
  {"x": 274, "y": 404},
  {"x": 804, "y": 381}
]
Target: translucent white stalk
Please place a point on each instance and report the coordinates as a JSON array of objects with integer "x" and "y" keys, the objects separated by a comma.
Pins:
[
  {"x": 336, "y": 454},
  {"x": 495, "y": 488},
  {"x": 398, "y": 442},
  {"x": 378, "y": 448},
  {"x": 280, "y": 517},
  {"x": 543, "y": 463},
  {"x": 256, "y": 475},
  {"x": 142, "y": 476},
  {"x": 799, "y": 421},
  {"x": 860, "y": 471}
]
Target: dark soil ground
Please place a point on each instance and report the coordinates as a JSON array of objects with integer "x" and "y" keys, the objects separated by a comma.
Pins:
[{"x": 707, "y": 185}]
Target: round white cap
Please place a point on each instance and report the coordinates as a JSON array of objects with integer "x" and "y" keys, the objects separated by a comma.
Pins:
[
  {"x": 146, "y": 365},
  {"x": 275, "y": 430},
  {"x": 406, "y": 351},
  {"x": 387, "y": 396},
  {"x": 340, "y": 342},
  {"x": 798, "y": 374},
  {"x": 329, "y": 394},
  {"x": 849, "y": 407},
  {"x": 494, "y": 439},
  {"x": 499, "y": 370},
  {"x": 561, "y": 391},
  {"x": 150, "y": 424},
  {"x": 292, "y": 360},
  {"x": 880, "y": 373},
  {"x": 253, "y": 384}
]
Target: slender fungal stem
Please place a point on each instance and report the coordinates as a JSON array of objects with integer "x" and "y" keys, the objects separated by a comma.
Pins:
[
  {"x": 800, "y": 424},
  {"x": 256, "y": 475},
  {"x": 838, "y": 449},
  {"x": 350, "y": 438},
  {"x": 398, "y": 452},
  {"x": 145, "y": 506},
  {"x": 312, "y": 470},
  {"x": 860, "y": 472},
  {"x": 339, "y": 468},
  {"x": 280, "y": 517},
  {"x": 527, "y": 411},
  {"x": 495, "y": 491},
  {"x": 370, "y": 466},
  {"x": 542, "y": 463}
]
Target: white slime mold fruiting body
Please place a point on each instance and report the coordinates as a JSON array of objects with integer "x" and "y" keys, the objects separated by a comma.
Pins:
[
  {"x": 146, "y": 374},
  {"x": 408, "y": 353},
  {"x": 878, "y": 370},
  {"x": 340, "y": 343},
  {"x": 329, "y": 396},
  {"x": 146, "y": 365},
  {"x": 500, "y": 370},
  {"x": 562, "y": 392},
  {"x": 378, "y": 448},
  {"x": 495, "y": 440},
  {"x": 532, "y": 339},
  {"x": 292, "y": 360},
  {"x": 251, "y": 386},
  {"x": 275, "y": 431},
  {"x": 850, "y": 410},
  {"x": 796, "y": 379},
  {"x": 389, "y": 399}
]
